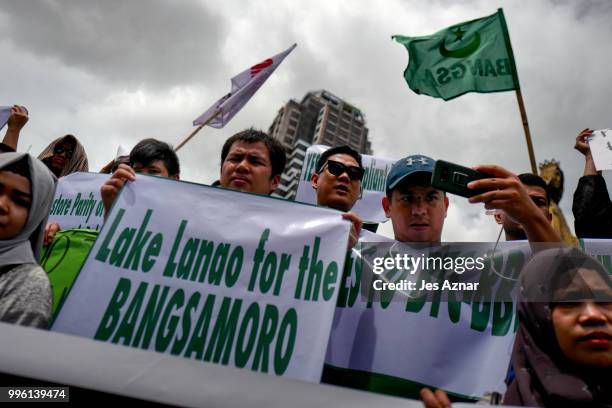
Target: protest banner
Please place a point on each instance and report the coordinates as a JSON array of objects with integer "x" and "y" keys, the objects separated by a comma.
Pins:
[
  {"x": 77, "y": 202},
  {"x": 397, "y": 345},
  {"x": 213, "y": 275},
  {"x": 369, "y": 207},
  {"x": 98, "y": 371}
]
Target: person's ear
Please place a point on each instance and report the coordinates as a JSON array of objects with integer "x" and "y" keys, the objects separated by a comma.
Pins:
[
  {"x": 275, "y": 182},
  {"x": 386, "y": 204},
  {"x": 314, "y": 181}
]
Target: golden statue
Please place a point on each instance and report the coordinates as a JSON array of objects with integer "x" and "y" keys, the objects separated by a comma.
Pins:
[{"x": 552, "y": 174}]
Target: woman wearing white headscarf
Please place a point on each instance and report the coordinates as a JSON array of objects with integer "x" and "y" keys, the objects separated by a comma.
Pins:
[{"x": 26, "y": 194}]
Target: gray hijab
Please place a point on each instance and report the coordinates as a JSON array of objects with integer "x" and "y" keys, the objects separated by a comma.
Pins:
[{"x": 25, "y": 246}]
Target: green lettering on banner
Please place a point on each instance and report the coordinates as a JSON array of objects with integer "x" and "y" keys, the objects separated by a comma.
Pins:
[
  {"x": 141, "y": 239},
  {"x": 60, "y": 206},
  {"x": 303, "y": 265},
  {"x": 329, "y": 282},
  {"x": 271, "y": 271},
  {"x": 481, "y": 303},
  {"x": 113, "y": 310},
  {"x": 266, "y": 336},
  {"x": 218, "y": 264},
  {"x": 222, "y": 337},
  {"x": 171, "y": 265},
  {"x": 179, "y": 343},
  {"x": 288, "y": 329},
  {"x": 104, "y": 250},
  {"x": 163, "y": 339},
  {"x": 489, "y": 69},
  {"x": 315, "y": 273},
  {"x": 121, "y": 246},
  {"x": 150, "y": 317},
  {"x": 250, "y": 319},
  {"x": 130, "y": 318},
  {"x": 205, "y": 252},
  {"x": 152, "y": 250},
  {"x": 187, "y": 257},
  {"x": 198, "y": 337}
]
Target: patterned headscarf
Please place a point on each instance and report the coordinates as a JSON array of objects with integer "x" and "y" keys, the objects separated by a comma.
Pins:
[{"x": 78, "y": 161}]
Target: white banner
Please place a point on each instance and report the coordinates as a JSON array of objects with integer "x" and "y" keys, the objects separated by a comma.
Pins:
[
  {"x": 601, "y": 148},
  {"x": 461, "y": 347},
  {"x": 77, "y": 202},
  {"x": 369, "y": 207},
  {"x": 212, "y": 275}
]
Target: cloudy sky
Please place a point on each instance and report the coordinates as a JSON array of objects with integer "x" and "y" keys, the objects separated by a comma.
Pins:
[{"x": 118, "y": 71}]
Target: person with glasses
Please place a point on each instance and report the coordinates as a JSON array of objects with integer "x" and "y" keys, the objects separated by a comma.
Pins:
[
  {"x": 337, "y": 182},
  {"x": 65, "y": 155}
]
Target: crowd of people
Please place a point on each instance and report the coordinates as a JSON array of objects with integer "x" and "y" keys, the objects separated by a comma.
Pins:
[{"x": 563, "y": 349}]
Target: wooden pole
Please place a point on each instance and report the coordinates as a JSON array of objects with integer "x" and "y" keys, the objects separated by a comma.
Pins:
[
  {"x": 188, "y": 138},
  {"x": 532, "y": 160}
]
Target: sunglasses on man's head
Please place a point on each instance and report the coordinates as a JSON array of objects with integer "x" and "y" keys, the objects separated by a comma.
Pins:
[
  {"x": 337, "y": 168},
  {"x": 59, "y": 149}
]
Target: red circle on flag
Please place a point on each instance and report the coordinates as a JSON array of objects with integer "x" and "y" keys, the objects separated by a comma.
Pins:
[{"x": 255, "y": 69}]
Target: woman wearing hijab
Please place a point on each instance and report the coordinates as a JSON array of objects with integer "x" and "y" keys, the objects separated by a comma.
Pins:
[
  {"x": 562, "y": 355},
  {"x": 65, "y": 155},
  {"x": 563, "y": 351},
  {"x": 26, "y": 194}
]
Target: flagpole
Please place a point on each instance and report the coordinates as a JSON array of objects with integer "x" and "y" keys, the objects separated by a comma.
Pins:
[
  {"x": 532, "y": 160},
  {"x": 188, "y": 138}
]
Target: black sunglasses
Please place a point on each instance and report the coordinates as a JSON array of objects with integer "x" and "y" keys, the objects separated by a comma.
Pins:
[
  {"x": 337, "y": 168},
  {"x": 59, "y": 149}
]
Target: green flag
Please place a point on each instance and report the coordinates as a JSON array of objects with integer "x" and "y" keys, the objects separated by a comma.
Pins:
[{"x": 474, "y": 56}]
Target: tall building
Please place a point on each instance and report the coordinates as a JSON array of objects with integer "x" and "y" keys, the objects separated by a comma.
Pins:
[{"x": 320, "y": 118}]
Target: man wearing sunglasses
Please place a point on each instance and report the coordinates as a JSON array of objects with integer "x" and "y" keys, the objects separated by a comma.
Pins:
[{"x": 337, "y": 182}]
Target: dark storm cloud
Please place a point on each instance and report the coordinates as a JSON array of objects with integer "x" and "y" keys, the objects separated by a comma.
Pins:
[{"x": 156, "y": 43}]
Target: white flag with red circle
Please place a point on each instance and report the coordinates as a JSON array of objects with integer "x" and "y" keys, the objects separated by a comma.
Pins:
[{"x": 244, "y": 86}]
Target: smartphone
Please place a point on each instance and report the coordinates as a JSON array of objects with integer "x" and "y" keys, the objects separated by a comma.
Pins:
[{"x": 454, "y": 178}]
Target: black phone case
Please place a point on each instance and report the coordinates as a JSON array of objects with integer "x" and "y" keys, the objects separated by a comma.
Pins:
[{"x": 454, "y": 178}]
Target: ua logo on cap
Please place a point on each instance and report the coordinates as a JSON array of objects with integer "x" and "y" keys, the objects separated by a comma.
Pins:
[{"x": 410, "y": 161}]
